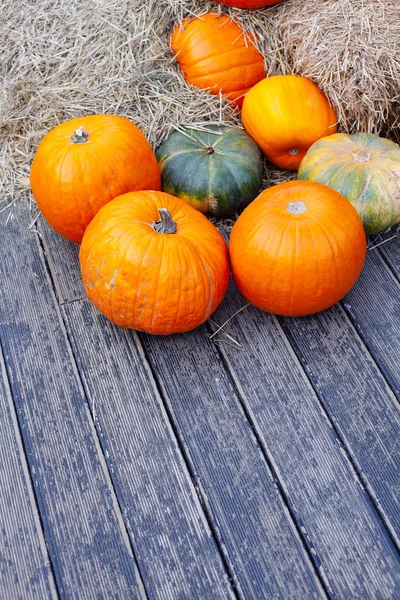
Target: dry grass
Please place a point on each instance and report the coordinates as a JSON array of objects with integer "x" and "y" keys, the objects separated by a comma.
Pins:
[{"x": 60, "y": 59}]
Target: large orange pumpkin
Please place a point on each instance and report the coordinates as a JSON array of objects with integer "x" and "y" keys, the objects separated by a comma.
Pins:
[
  {"x": 285, "y": 114},
  {"x": 153, "y": 263},
  {"x": 297, "y": 248},
  {"x": 249, "y": 3},
  {"x": 82, "y": 164},
  {"x": 214, "y": 53}
]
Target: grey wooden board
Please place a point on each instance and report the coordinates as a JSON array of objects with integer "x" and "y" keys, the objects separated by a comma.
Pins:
[
  {"x": 62, "y": 258},
  {"x": 357, "y": 399},
  {"x": 174, "y": 547},
  {"x": 87, "y": 540},
  {"x": 346, "y": 536},
  {"x": 374, "y": 307},
  {"x": 390, "y": 250},
  {"x": 24, "y": 562},
  {"x": 173, "y": 543},
  {"x": 244, "y": 502},
  {"x": 258, "y": 537}
]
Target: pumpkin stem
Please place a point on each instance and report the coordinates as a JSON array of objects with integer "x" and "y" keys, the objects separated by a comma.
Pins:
[
  {"x": 165, "y": 224},
  {"x": 210, "y": 150},
  {"x": 361, "y": 156},
  {"x": 296, "y": 208},
  {"x": 80, "y": 136}
]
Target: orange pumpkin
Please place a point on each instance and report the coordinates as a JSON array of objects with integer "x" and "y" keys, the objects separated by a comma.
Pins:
[
  {"x": 285, "y": 115},
  {"x": 297, "y": 248},
  {"x": 214, "y": 53},
  {"x": 83, "y": 163},
  {"x": 153, "y": 263},
  {"x": 249, "y": 3}
]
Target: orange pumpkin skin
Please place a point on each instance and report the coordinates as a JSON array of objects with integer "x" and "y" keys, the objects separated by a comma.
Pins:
[
  {"x": 214, "y": 54},
  {"x": 249, "y": 3},
  {"x": 297, "y": 249},
  {"x": 285, "y": 115},
  {"x": 72, "y": 180},
  {"x": 143, "y": 279}
]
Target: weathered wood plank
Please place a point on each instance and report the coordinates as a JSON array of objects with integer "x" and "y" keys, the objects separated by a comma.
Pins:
[
  {"x": 374, "y": 307},
  {"x": 174, "y": 547},
  {"x": 243, "y": 500},
  {"x": 259, "y": 540},
  {"x": 389, "y": 248},
  {"x": 24, "y": 562},
  {"x": 357, "y": 399},
  {"x": 87, "y": 540},
  {"x": 345, "y": 534},
  {"x": 61, "y": 254}
]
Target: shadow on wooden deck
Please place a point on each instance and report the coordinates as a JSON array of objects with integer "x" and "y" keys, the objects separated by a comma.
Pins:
[{"x": 180, "y": 467}]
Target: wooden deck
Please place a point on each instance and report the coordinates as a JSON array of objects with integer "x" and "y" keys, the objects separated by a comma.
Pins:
[{"x": 265, "y": 465}]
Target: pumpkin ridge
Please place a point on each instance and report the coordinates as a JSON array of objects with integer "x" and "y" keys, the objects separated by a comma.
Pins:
[
  {"x": 244, "y": 160},
  {"x": 210, "y": 195},
  {"x": 209, "y": 74},
  {"x": 318, "y": 291},
  {"x": 155, "y": 295},
  {"x": 293, "y": 270},
  {"x": 278, "y": 251},
  {"x": 165, "y": 160},
  {"x": 232, "y": 171},
  {"x": 203, "y": 262},
  {"x": 335, "y": 253},
  {"x": 219, "y": 54},
  {"x": 91, "y": 150},
  {"x": 140, "y": 267}
]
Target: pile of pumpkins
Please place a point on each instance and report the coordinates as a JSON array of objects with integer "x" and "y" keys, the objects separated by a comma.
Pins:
[{"x": 152, "y": 261}]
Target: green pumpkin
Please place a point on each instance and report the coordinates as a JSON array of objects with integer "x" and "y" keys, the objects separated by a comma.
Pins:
[
  {"x": 365, "y": 169},
  {"x": 217, "y": 169}
]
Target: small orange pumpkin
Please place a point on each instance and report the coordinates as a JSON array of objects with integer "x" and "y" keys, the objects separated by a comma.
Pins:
[
  {"x": 285, "y": 114},
  {"x": 214, "y": 53},
  {"x": 297, "y": 248},
  {"x": 82, "y": 164},
  {"x": 153, "y": 263}
]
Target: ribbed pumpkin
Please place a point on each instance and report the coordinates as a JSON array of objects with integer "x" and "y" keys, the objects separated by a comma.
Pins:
[
  {"x": 151, "y": 262},
  {"x": 365, "y": 169},
  {"x": 217, "y": 169},
  {"x": 297, "y": 248},
  {"x": 82, "y": 164},
  {"x": 285, "y": 114},
  {"x": 249, "y": 3},
  {"x": 214, "y": 53}
]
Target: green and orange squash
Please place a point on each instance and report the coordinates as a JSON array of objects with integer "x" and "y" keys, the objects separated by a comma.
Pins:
[{"x": 365, "y": 169}]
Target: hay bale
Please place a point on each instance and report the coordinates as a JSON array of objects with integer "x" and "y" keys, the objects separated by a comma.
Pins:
[
  {"x": 350, "y": 48},
  {"x": 63, "y": 58}
]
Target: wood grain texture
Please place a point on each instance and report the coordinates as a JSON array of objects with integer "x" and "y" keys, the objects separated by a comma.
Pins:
[
  {"x": 24, "y": 562},
  {"x": 390, "y": 250},
  {"x": 243, "y": 500},
  {"x": 344, "y": 532},
  {"x": 62, "y": 258},
  {"x": 174, "y": 547},
  {"x": 357, "y": 399},
  {"x": 374, "y": 307},
  {"x": 260, "y": 542},
  {"x": 88, "y": 544}
]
